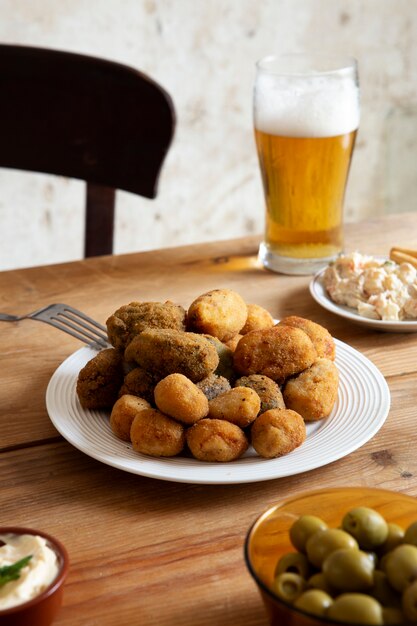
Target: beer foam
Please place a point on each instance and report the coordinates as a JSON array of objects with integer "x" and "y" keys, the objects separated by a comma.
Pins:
[{"x": 306, "y": 106}]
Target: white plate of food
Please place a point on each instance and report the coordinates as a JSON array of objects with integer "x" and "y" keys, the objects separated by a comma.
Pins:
[
  {"x": 361, "y": 408},
  {"x": 321, "y": 295}
]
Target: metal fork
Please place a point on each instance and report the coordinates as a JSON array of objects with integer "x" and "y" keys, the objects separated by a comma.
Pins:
[{"x": 69, "y": 320}]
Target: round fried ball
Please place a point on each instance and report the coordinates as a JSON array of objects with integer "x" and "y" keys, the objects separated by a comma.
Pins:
[
  {"x": 164, "y": 352},
  {"x": 320, "y": 336},
  {"x": 240, "y": 406},
  {"x": 277, "y": 432},
  {"x": 123, "y": 413},
  {"x": 216, "y": 440},
  {"x": 267, "y": 390},
  {"x": 99, "y": 381},
  {"x": 277, "y": 352},
  {"x": 213, "y": 385},
  {"x": 131, "y": 319},
  {"x": 179, "y": 397},
  {"x": 258, "y": 318},
  {"x": 139, "y": 382},
  {"x": 313, "y": 393},
  {"x": 156, "y": 434},
  {"x": 221, "y": 313}
]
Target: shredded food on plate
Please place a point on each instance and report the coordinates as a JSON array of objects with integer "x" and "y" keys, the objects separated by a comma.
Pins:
[{"x": 378, "y": 289}]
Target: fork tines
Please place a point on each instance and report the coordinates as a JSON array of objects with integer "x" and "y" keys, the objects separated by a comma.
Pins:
[{"x": 78, "y": 325}]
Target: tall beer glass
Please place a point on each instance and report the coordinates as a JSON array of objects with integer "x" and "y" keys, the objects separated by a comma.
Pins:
[{"x": 306, "y": 116}]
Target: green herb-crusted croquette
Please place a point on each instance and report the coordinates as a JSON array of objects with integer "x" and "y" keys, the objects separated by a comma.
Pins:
[
  {"x": 163, "y": 352},
  {"x": 131, "y": 319}
]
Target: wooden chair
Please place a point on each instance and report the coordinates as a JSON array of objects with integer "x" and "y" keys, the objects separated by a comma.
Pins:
[{"x": 82, "y": 117}]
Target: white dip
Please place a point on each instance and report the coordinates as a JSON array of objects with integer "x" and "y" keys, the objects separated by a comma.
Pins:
[
  {"x": 377, "y": 289},
  {"x": 35, "y": 577}
]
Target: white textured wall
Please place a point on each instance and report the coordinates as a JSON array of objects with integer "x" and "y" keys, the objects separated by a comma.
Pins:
[{"x": 203, "y": 52}]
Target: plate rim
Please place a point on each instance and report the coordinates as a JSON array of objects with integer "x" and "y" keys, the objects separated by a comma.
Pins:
[
  {"x": 145, "y": 464},
  {"x": 318, "y": 293}
]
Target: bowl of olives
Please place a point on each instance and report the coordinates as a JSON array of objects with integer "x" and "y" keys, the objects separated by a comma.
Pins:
[{"x": 337, "y": 556}]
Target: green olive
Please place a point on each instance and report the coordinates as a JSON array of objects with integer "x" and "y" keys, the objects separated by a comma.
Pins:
[
  {"x": 326, "y": 541},
  {"x": 410, "y": 535},
  {"x": 314, "y": 601},
  {"x": 293, "y": 562},
  {"x": 382, "y": 591},
  {"x": 355, "y": 608},
  {"x": 318, "y": 581},
  {"x": 392, "y": 616},
  {"x": 409, "y": 602},
  {"x": 349, "y": 570},
  {"x": 367, "y": 526},
  {"x": 394, "y": 538},
  {"x": 303, "y": 528},
  {"x": 288, "y": 586},
  {"x": 400, "y": 566}
]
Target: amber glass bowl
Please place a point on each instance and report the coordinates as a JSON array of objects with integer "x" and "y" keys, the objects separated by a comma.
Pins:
[
  {"x": 41, "y": 610},
  {"x": 268, "y": 538}
]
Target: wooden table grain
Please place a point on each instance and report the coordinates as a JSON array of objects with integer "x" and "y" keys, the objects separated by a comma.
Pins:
[{"x": 151, "y": 552}]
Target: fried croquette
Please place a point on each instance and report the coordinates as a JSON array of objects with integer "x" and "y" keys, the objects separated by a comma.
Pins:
[
  {"x": 313, "y": 393},
  {"x": 164, "y": 351},
  {"x": 258, "y": 318},
  {"x": 225, "y": 367},
  {"x": 277, "y": 432},
  {"x": 213, "y": 385},
  {"x": 277, "y": 352},
  {"x": 232, "y": 343},
  {"x": 123, "y": 413},
  {"x": 99, "y": 381},
  {"x": 131, "y": 319},
  {"x": 240, "y": 406},
  {"x": 221, "y": 313},
  {"x": 320, "y": 336},
  {"x": 156, "y": 434},
  {"x": 178, "y": 397},
  {"x": 267, "y": 390},
  {"x": 139, "y": 382},
  {"x": 216, "y": 441}
]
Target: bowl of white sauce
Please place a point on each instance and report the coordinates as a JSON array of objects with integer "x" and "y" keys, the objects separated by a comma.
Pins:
[{"x": 33, "y": 568}]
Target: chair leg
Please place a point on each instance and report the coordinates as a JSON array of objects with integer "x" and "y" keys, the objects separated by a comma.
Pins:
[{"x": 99, "y": 224}]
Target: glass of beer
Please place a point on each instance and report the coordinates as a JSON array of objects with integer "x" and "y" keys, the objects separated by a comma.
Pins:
[{"x": 306, "y": 116}]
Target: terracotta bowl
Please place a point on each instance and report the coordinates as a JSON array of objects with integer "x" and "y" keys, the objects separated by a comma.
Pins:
[
  {"x": 39, "y": 611},
  {"x": 268, "y": 538}
]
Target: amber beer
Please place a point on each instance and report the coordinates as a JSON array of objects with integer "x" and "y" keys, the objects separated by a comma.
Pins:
[{"x": 305, "y": 130}]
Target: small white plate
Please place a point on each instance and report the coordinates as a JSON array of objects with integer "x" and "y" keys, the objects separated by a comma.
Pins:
[
  {"x": 361, "y": 408},
  {"x": 320, "y": 295}
]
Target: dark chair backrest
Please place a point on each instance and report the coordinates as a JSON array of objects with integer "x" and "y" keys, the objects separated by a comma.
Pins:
[{"x": 88, "y": 118}]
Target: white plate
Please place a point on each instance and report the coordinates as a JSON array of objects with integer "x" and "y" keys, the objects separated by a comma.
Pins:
[
  {"x": 361, "y": 409},
  {"x": 320, "y": 295}
]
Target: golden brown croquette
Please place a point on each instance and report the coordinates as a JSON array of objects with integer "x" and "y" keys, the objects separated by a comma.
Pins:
[
  {"x": 123, "y": 413},
  {"x": 277, "y": 432},
  {"x": 216, "y": 441},
  {"x": 240, "y": 406},
  {"x": 221, "y": 313},
  {"x": 277, "y": 352},
  {"x": 320, "y": 336},
  {"x": 313, "y": 393},
  {"x": 178, "y": 397},
  {"x": 156, "y": 434}
]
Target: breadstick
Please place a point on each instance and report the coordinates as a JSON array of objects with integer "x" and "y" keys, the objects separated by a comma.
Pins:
[
  {"x": 400, "y": 257},
  {"x": 408, "y": 251}
]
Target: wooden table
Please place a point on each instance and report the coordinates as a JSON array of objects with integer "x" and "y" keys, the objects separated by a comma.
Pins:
[{"x": 149, "y": 552}]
